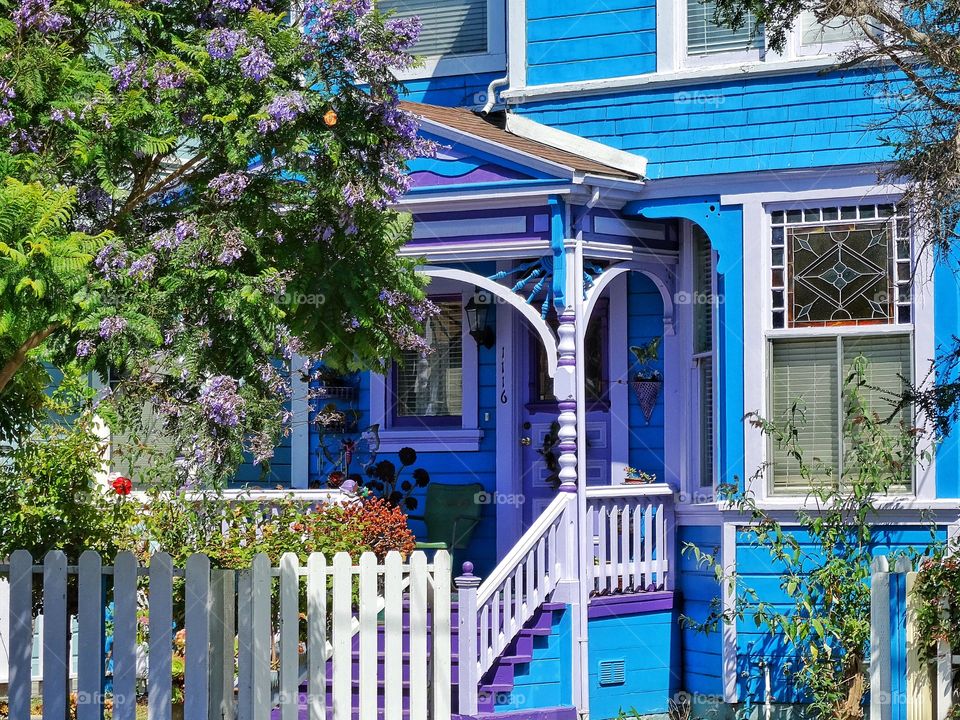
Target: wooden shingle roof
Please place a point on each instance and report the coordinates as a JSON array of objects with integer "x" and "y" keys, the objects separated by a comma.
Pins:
[{"x": 493, "y": 128}]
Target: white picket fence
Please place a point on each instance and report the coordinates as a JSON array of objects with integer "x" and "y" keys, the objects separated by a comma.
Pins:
[
  {"x": 902, "y": 685},
  {"x": 250, "y": 657}
]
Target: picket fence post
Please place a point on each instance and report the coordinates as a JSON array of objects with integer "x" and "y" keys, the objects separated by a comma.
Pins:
[
  {"x": 880, "y": 707},
  {"x": 90, "y": 637},
  {"x": 56, "y": 648},
  {"x": 197, "y": 627},
  {"x": 467, "y": 639},
  {"x": 20, "y": 633}
]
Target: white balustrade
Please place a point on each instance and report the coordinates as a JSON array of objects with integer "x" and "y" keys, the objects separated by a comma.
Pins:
[{"x": 629, "y": 532}]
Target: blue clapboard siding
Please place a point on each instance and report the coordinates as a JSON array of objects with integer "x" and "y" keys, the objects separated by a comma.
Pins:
[
  {"x": 644, "y": 322},
  {"x": 701, "y": 652},
  {"x": 737, "y": 125},
  {"x": 544, "y": 682},
  {"x": 569, "y": 40},
  {"x": 759, "y": 571},
  {"x": 450, "y": 91},
  {"x": 946, "y": 312},
  {"x": 647, "y": 644}
]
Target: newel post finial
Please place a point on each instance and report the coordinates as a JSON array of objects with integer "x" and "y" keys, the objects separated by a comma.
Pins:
[{"x": 468, "y": 638}]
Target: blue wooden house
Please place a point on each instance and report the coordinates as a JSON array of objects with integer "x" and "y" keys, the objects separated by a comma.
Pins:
[{"x": 628, "y": 175}]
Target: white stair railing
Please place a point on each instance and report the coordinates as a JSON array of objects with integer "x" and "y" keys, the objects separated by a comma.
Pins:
[
  {"x": 492, "y": 614},
  {"x": 628, "y": 529}
]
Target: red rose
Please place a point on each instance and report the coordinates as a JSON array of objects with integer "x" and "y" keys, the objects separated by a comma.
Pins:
[
  {"x": 122, "y": 485},
  {"x": 335, "y": 478}
]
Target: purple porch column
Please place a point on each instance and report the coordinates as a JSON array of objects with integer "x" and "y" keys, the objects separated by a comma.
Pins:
[{"x": 565, "y": 388}]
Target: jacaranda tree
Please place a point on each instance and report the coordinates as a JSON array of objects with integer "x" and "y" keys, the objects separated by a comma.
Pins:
[{"x": 194, "y": 192}]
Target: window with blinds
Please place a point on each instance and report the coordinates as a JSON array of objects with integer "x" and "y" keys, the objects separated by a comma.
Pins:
[
  {"x": 839, "y": 29},
  {"x": 703, "y": 303},
  {"x": 451, "y": 27},
  {"x": 808, "y": 376},
  {"x": 431, "y": 385},
  {"x": 705, "y": 37}
]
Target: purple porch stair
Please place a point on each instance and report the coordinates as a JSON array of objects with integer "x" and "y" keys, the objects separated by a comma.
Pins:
[{"x": 499, "y": 680}]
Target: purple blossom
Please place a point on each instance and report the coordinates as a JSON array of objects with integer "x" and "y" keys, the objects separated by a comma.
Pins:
[
  {"x": 233, "y": 248},
  {"x": 165, "y": 240},
  {"x": 37, "y": 14},
  {"x": 7, "y": 93},
  {"x": 143, "y": 268},
  {"x": 184, "y": 230},
  {"x": 112, "y": 326},
  {"x": 59, "y": 116},
  {"x": 126, "y": 73},
  {"x": 256, "y": 64},
  {"x": 238, "y": 5},
  {"x": 165, "y": 77},
  {"x": 6, "y": 117},
  {"x": 220, "y": 402},
  {"x": 85, "y": 348},
  {"x": 111, "y": 261},
  {"x": 405, "y": 31},
  {"x": 283, "y": 108},
  {"x": 222, "y": 44},
  {"x": 352, "y": 194},
  {"x": 229, "y": 186},
  {"x": 24, "y": 141}
]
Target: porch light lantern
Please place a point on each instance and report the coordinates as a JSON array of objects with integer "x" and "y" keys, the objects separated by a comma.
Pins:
[{"x": 478, "y": 319}]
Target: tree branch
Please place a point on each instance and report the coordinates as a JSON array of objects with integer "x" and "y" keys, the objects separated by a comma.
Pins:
[
  {"x": 19, "y": 357},
  {"x": 137, "y": 198}
]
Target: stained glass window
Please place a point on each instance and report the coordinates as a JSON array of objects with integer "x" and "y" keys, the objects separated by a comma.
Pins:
[{"x": 840, "y": 266}]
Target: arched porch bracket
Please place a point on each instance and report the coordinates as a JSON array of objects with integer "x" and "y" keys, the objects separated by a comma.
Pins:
[
  {"x": 508, "y": 296},
  {"x": 659, "y": 275},
  {"x": 723, "y": 225}
]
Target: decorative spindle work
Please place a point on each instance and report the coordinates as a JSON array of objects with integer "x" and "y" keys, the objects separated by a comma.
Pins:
[
  {"x": 534, "y": 279},
  {"x": 840, "y": 266},
  {"x": 566, "y": 394}
]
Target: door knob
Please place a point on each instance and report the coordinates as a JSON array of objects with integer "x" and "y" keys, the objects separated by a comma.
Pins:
[{"x": 526, "y": 442}]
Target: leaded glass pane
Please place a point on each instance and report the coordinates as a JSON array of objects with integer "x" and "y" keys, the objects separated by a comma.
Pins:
[{"x": 840, "y": 274}]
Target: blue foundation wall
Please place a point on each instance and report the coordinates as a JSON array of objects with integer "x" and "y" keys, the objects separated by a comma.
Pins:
[
  {"x": 760, "y": 572},
  {"x": 702, "y": 661},
  {"x": 647, "y": 645},
  {"x": 545, "y": 682},
  {"x": 644, "y": 322},
  {"x": 734, "y": 125}
]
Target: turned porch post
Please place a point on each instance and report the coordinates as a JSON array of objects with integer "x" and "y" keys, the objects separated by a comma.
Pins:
[{"x": 467, "y": 649}]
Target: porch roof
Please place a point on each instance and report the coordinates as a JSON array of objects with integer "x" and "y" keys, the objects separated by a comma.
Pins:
[{"x": 493, "y": 128}]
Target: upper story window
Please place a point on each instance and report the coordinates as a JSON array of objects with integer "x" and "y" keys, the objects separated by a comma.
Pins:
[
  {"x": 815, "y": 35},
  {"x": 428, "y": 388},
  {"x": 705, "y": 37},
  {"x": 452, "y": 27},
  {"x": 840, "y": 291},
  {"x": 456, "y": 36},
  {"x": 840, "y": 266}
]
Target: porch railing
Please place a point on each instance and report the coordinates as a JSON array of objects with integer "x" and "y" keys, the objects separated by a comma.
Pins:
[
  {"x": 492, "y": 615},
  {"x": 629, "y": 531}
]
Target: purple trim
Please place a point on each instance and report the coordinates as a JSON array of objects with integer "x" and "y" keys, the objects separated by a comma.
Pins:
[
  {"x": 629, "y": 604},
  {"x": 483, "y": 173},
  {"x": 526, "y": 212},
  {"x": 565, "y": 405}
]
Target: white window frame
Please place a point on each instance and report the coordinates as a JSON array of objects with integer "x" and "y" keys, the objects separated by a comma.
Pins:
[
  {"x": 493, "y": 60},
  {"x": 467, "y": 436},
  {"x": 712, "y": 59},
  {"x": 920, "y": 331}
]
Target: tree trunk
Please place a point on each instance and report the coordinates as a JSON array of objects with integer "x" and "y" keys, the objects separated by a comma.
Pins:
[{"x": 19, "y": 357}]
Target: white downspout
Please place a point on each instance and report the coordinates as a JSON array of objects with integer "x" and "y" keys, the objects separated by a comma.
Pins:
[{"x": 492, "y": 93}]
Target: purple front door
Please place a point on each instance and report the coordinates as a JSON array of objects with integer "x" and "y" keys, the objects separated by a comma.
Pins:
[{"x": 539, "y": 415}]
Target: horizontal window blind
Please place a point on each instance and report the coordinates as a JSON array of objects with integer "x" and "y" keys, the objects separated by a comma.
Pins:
[
  {"x": 450, "y": 27},
  {"x": 805, "y": 373},
  {"x": 706, "y": 421},
  {"x": 705, "y": 37},
  {"x": 431, "y": 385},
  {"x": 840, "y": 29}
]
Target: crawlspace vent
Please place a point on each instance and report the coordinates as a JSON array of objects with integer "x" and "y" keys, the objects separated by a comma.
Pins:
[{"x": 612, "y": 672}]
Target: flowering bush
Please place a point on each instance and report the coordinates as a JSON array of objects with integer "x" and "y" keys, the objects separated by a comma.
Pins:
[
  {"x": 231, "y": 532},
  {"x": 178, "y": 176}
]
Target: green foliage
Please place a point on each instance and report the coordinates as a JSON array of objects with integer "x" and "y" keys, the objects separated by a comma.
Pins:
[
  {"x": 823, "y": 557},
  {"x": 937, "y": 618},
  {"x": 191, "y": 193}
]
